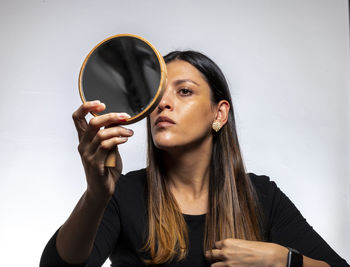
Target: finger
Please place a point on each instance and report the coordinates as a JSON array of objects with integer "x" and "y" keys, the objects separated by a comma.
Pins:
[
  {"x": 219, "y": 264},
  {"x": 109, "y": 119},
  {"x": 105, "y": 120},
  {"x": 112, "y": 143},
  {"x": 215, "y": 254},
  {"x": 83, "y": 110},
  {"x": 228, "y": 242},
  {"x": 106, "y": 146},
  {"x": 220, "y": 244},
  {"x": 79, "y": 115},
  {"x": 108, "y": 133}
]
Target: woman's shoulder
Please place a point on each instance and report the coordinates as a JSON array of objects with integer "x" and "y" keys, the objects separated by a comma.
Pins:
[
  {"x": 268, "y": 193},
  {"x": 262, "y": 184},
  {"x": 133, "y": 182},
  {"x": 274, "y": 203},
  {"x": 134, "y": 176}
]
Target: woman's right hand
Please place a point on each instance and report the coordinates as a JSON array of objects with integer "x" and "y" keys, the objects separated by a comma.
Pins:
[{"x": 96, "y": 139}]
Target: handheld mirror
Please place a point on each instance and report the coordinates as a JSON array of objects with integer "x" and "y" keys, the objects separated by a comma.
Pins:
[{"x": 125, "y": 72}]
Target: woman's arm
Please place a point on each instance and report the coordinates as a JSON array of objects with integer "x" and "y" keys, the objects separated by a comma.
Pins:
[
  {"x": 237, "y": 252},
  {"x": 104, "y": 241},
  {"x": 75, "y": 238},
  {"x": 284, "y": 227}
]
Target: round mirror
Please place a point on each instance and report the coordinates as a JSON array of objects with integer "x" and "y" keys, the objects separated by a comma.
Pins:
[{"x": 126, "y": 73}]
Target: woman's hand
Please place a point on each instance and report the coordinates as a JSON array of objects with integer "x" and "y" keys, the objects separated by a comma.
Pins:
[
  {"x": 239, "y": 253},
  {"x": 96, "y": 139}
]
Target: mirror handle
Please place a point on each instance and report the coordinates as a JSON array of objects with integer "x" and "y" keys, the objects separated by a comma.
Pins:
[{"x": 111, "y": 159}]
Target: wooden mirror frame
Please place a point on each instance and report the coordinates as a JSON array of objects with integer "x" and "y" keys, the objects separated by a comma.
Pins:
[{"x": 162, "y": 84}]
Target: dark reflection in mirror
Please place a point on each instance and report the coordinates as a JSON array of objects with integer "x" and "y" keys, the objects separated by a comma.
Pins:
[{"x": 124, "y": 73}]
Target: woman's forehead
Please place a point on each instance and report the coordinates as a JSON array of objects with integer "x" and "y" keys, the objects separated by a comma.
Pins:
[{"x": 182, "y": 71}]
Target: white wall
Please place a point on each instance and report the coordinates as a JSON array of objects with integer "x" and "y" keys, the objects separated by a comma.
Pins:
[{"x": 287, "y": 63}]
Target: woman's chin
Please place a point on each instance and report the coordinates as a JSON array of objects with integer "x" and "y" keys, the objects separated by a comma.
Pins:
[
  {"x": 164, "y": 145},
  {"x": 163, "y": 140},
  {"x": 167, "y": 144}
]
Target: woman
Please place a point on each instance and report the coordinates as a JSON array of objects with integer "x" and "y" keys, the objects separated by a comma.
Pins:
[{"x": 194, "y": 205}]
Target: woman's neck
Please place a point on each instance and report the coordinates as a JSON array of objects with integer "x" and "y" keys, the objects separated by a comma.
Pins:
[{"x": 187, "y": 170}]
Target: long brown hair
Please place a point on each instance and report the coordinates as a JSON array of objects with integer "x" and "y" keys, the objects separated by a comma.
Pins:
[{"x": 233, "y": 207}]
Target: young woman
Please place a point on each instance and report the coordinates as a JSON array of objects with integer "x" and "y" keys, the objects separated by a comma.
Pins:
[{"x": 194, "y": 204}]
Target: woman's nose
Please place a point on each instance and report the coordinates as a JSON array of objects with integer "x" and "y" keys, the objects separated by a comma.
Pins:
[{"x": 167, "y": 101}]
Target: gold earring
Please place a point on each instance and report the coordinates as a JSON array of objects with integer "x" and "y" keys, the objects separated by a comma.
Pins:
[{"x": 216, "y": 126}]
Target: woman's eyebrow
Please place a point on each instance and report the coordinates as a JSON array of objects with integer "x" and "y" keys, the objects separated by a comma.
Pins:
[{"x": 177, "y": 82}]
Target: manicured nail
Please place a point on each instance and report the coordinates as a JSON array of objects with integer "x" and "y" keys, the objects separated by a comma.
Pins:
[
  {"x": 95, "y": 102},
  {"x": 125, "y": 116}
]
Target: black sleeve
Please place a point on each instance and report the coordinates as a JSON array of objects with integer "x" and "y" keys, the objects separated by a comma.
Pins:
[
  {"x": 51, "y": 258},
  {"x": 106, "y": 238},
  {"x": 285, "y": 225}
]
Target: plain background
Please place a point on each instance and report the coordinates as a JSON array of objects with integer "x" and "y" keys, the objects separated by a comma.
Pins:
[{"x": 287, "y": 63}]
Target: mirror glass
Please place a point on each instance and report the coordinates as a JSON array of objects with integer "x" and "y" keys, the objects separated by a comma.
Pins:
[{"x": 126, "y": 73}]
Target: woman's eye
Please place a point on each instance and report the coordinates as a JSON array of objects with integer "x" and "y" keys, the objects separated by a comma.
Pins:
[{"x": 185, "y": 91}]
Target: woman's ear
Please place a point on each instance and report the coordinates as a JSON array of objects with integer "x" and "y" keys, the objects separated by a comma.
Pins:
[{"x": 222, "y": 109}]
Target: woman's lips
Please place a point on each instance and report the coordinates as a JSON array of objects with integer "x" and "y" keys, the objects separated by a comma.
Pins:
[{"x": 164, "y": 121}]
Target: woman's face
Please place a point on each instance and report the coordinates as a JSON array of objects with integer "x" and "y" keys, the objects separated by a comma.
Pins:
[{"x": 185, "y": 113}]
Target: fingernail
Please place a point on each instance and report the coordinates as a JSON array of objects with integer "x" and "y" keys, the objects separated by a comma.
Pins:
[
  {"x": 95, "y": 102},
  {"x": 100, "y": 106},
  {"x": 125, "y": 116},
  {"x": 131, "y": 132}
]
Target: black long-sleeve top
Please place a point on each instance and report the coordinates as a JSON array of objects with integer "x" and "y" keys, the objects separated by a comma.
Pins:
[{"x": 123, "y": 230}]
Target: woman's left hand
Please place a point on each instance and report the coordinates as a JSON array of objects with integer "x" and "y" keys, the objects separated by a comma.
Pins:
[{"x": 239, "y": 253}]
